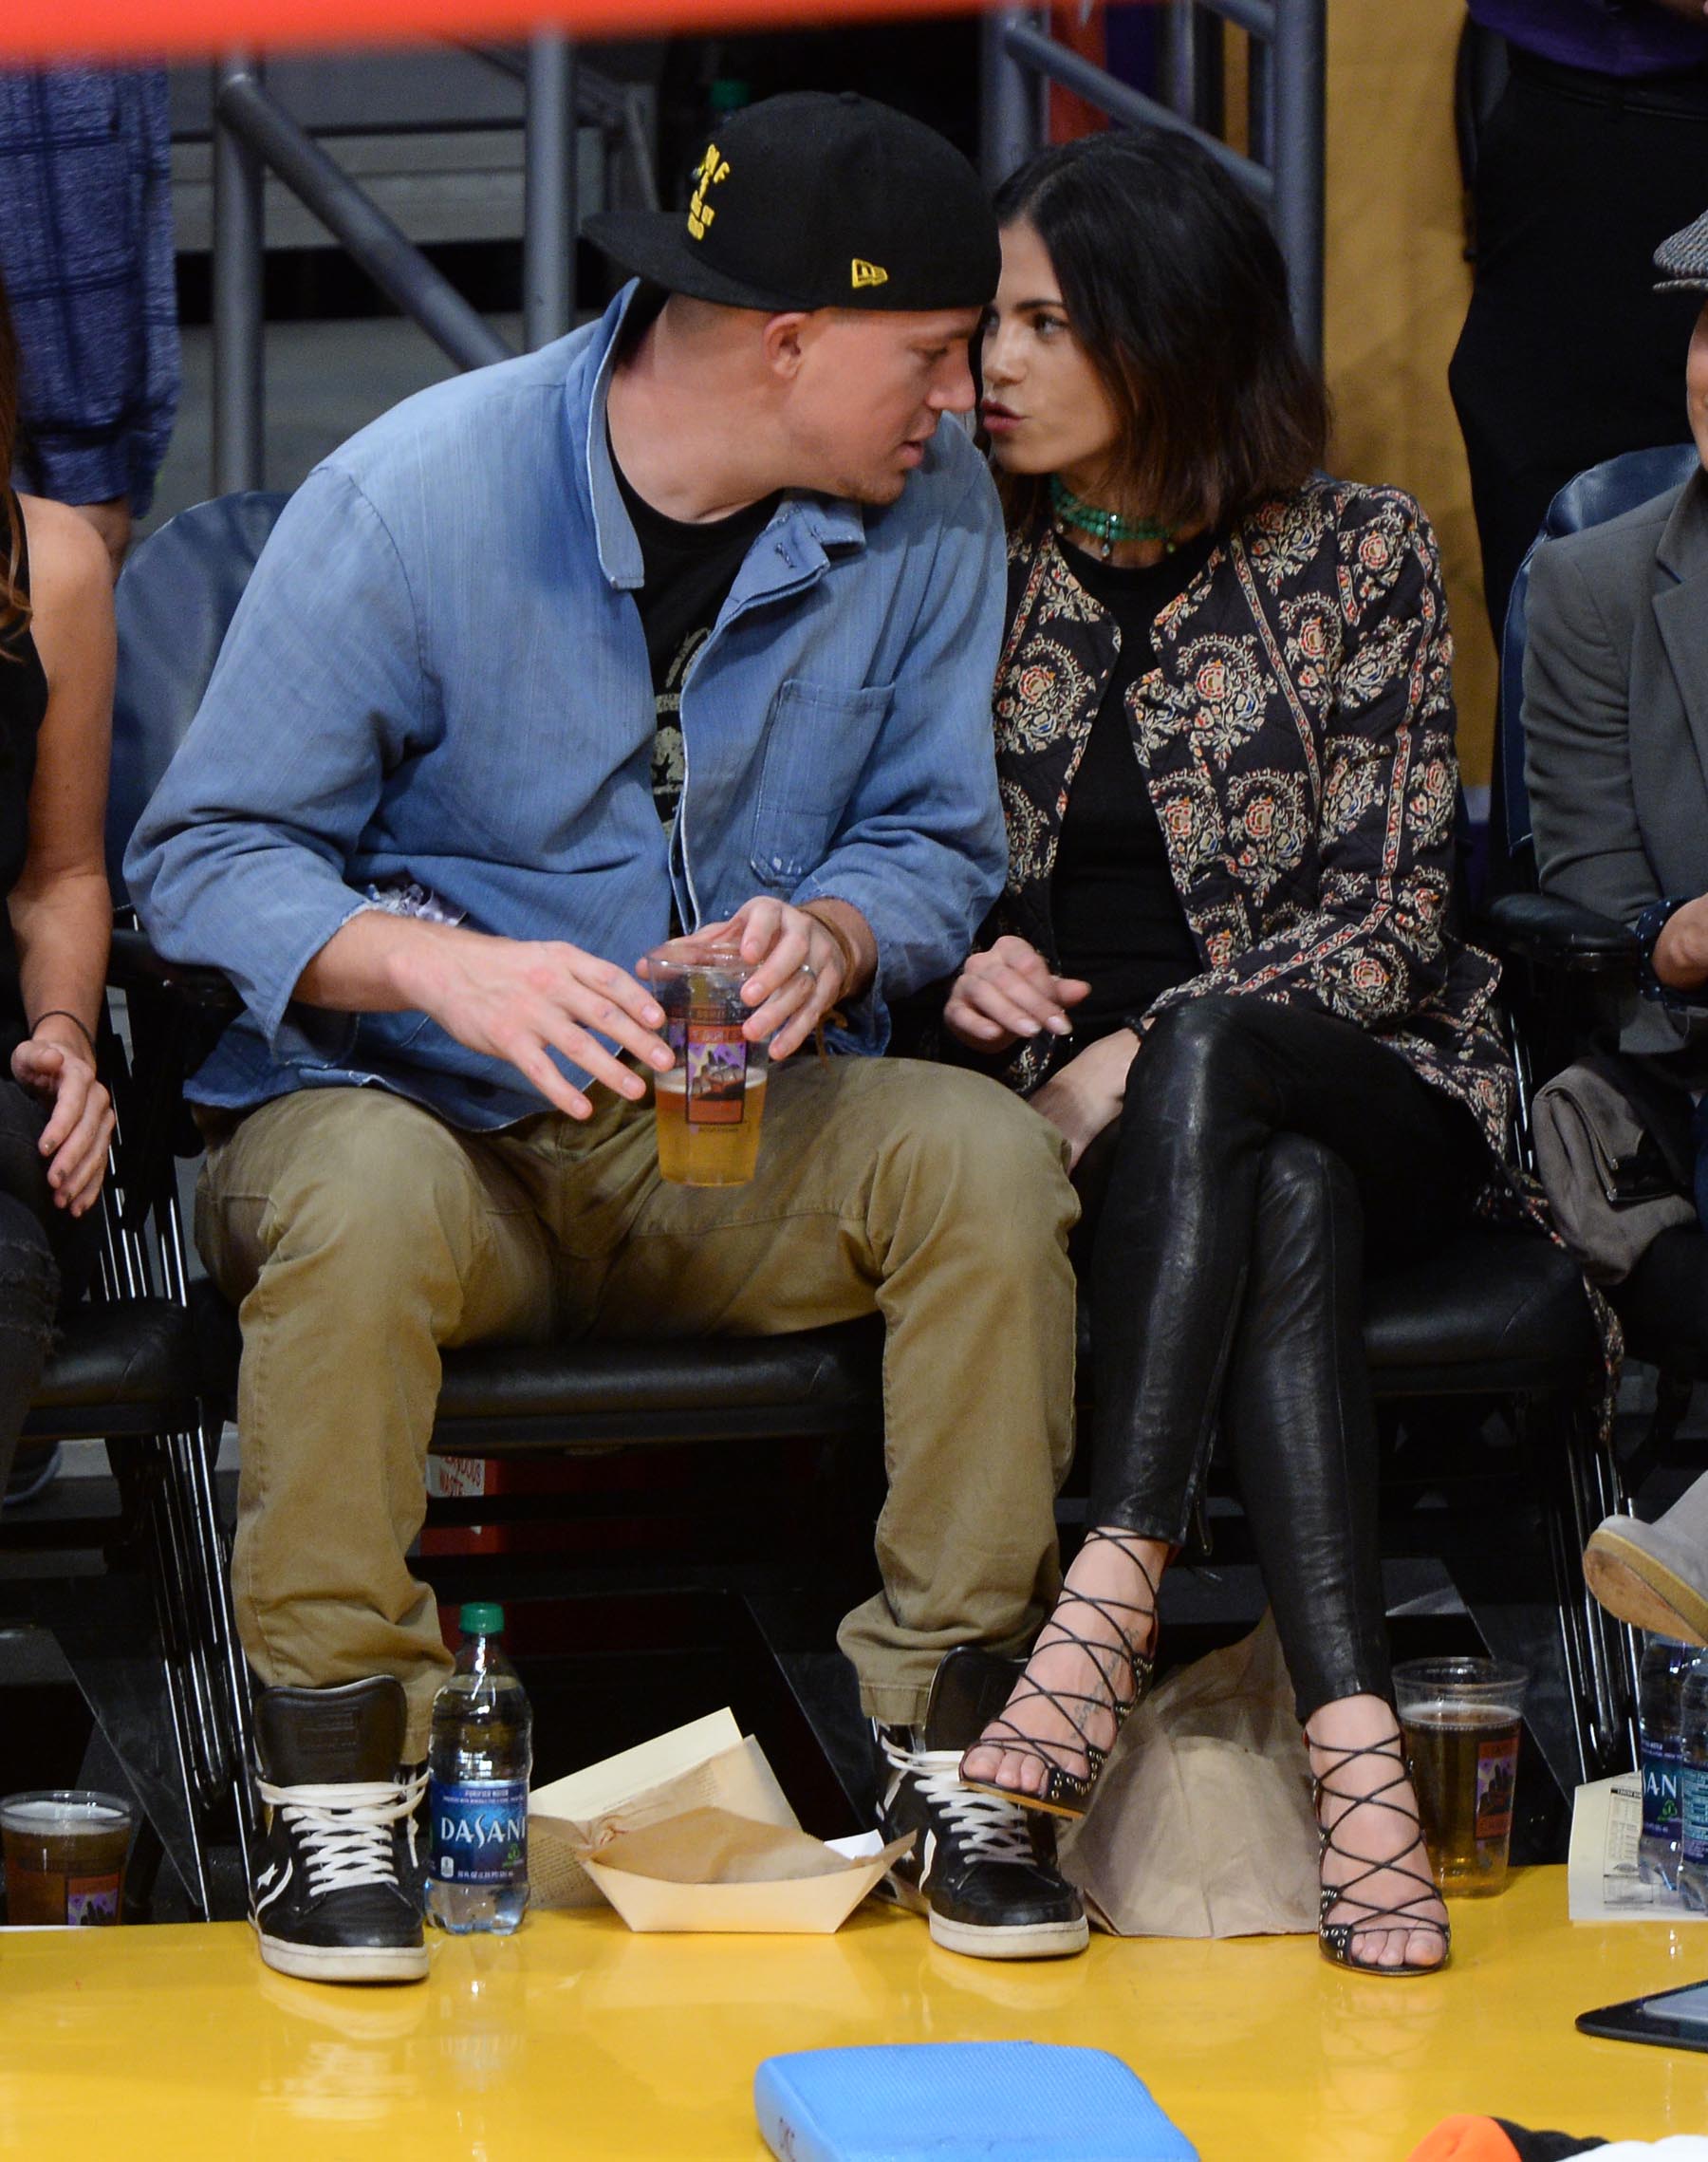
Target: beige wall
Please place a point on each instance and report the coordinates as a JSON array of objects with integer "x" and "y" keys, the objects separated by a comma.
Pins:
[{"x": 1397, "y": 288}]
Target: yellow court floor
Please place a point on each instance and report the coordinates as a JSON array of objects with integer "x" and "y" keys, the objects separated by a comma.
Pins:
[{"x": 575, "y": 2038}]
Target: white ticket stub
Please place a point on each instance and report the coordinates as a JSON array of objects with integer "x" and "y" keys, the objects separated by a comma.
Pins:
[{"x": 1603, "y": 1879}]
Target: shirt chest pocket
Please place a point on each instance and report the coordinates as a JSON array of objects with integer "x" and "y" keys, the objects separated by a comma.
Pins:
[{"x": 817, "y": 741}]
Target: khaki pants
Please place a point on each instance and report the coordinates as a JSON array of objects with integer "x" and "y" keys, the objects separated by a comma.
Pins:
[{"x": 360, "y": 1234}]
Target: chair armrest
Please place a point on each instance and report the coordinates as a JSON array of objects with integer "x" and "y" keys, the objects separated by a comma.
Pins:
[
  {"x": 134, "y": 965},
  {"x": 1554, "y": 933}
]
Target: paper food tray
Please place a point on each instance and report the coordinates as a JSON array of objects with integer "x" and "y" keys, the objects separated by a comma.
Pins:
[{"x": 691, "y": 1831}]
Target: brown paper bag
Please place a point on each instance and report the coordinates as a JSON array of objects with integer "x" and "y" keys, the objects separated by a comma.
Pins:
[{"x": 1202, "y": 1824}]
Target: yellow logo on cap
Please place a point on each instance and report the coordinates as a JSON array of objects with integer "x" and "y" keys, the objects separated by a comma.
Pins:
[
  {"x": 713, "y": 167},
  {"x": 869, "y": 274}
]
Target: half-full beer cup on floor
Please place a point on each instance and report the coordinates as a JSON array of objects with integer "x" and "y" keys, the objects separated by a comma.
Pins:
[
  {"x": 65, "y": 1857},
  {"x": 1461, "y": 1719},
  {"x": 710, "y": 1104}
]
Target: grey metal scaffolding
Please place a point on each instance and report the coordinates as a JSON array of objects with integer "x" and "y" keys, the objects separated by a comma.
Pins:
[
  {"x": 1284, "y": 172},
  {"x": 550, "y": 220},
  {"x": 253, "y": 135},
  {"x": 240, "y": 305}
]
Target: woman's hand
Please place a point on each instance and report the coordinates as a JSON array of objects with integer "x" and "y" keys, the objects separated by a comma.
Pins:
[
  {"x": 80, "y": 1121},
  {"x": 1086, "y": 1095},
  {"x": 1007, "y": 993}
]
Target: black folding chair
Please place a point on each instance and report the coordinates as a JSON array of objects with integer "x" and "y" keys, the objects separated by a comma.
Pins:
[{"x": 124, "y": 1368}]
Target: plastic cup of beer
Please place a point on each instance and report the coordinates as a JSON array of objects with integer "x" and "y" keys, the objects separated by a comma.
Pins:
[
  {"x": 65, "y": 1857},
  {"x": 1461, "y": 1720},
  {"x": 710, "y": 1104}
]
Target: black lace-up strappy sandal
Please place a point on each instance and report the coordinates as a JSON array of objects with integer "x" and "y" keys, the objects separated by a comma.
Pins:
[
  {"x": 1335, "y": 1938},
  {"x": 1123, "y": 1672}
]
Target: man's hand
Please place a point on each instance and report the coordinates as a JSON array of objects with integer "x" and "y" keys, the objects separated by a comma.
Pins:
[
  {"x": 1087, "y": 1094},
  {"x": 801, "y": 967},
  {"x": 79, "y": 1122},
  {"x": 1680, "y": 956},
  {"x": 520, "y": 1000},
  {"x": 1007, "y": 993}
]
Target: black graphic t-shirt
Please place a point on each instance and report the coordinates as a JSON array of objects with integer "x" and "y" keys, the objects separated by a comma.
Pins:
[{"x": 689, "y": 570}]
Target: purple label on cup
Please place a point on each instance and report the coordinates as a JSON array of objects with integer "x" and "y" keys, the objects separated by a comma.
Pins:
[{"x": 91, "y": 1899}]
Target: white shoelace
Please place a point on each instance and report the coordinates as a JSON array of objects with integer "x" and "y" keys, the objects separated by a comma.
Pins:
[
  {"x": 990, "y": 1829},
  {"x": 345, "y": 1830}
]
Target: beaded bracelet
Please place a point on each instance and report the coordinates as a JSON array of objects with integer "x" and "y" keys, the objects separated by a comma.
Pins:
[{"x": 1648, "y": 928}]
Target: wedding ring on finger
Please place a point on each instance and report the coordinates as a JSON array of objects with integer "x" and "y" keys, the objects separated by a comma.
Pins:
[{"x": 807, "y": 969}]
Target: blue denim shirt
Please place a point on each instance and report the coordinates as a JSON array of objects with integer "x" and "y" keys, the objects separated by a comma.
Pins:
[{"x": 438, "y": 676}]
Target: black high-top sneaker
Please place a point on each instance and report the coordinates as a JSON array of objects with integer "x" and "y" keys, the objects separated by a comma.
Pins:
[
  {"x": 982, "y": 1870},
  {"x": 337, "y": 1896}
]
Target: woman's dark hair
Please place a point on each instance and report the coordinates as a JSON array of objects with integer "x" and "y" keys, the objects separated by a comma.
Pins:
[
  {"x": 15, "y": 602},
  {"x": 1178, "y": 295}
]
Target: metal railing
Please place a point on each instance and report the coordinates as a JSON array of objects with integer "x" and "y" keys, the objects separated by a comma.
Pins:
[
  {"x": 1284, "y": 169},
  {"x": 253, "y": 135}
]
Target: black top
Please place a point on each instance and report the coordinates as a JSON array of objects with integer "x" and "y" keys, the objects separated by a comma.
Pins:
[
  {"x": 688, "y": 571},
  {"x": 23, "y": 706},
  {"x": 1118, "y": 919}
]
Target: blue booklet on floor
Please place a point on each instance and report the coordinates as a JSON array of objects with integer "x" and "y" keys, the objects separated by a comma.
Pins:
[{"x": 961, "y": 2101}]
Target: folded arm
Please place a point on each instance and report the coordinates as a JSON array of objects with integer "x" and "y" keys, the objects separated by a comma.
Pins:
[
  {"x": 1577, "y": 747},
  {"x": 1577, "y": 764}
]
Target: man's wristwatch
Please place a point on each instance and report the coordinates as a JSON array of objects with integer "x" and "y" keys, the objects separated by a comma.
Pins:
[{"x": 1649, "y": 926}]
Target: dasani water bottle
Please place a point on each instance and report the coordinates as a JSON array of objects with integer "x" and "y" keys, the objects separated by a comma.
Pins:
[
  {"x": 1693, "y": 1785},
  {"x": 1658, "y": 1716},
  {"x": 478, "y": 1762}
]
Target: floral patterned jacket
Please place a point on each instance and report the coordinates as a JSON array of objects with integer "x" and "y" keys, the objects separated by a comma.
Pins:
[{"x": 1296, "y": 738}]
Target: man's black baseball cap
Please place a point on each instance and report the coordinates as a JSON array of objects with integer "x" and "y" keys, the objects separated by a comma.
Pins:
[{"x": 815, "y": 199}]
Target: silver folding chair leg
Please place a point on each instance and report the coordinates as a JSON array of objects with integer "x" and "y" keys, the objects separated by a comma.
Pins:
[{"x": 1581, "y": 1484}]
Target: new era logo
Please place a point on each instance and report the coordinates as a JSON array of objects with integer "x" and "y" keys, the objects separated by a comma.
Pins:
[{"x": 869, "y": 274}]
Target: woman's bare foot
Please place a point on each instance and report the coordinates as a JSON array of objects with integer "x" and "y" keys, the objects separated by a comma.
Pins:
[
  {"x": 1079, "y": 1682},
  {"x": 1375, "y": 1851}
]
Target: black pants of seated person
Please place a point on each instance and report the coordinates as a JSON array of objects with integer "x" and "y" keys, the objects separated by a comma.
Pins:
[
  {"x": 1265, "y": 1158},
  {"x": 45, "y": 1261}
]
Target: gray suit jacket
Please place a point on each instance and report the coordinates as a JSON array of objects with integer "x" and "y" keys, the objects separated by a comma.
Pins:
[{"x": 1616, "y": 725}]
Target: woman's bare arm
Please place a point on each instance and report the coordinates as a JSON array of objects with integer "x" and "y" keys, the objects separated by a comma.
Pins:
[{"x": 60, "y": 908}]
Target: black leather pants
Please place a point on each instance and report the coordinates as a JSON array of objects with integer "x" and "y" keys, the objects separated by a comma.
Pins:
[{"x": 1264, "y": 1159}]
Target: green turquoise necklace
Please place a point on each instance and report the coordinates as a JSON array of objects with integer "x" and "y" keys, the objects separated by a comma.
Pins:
[{"x": 1105, "y": 527}]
